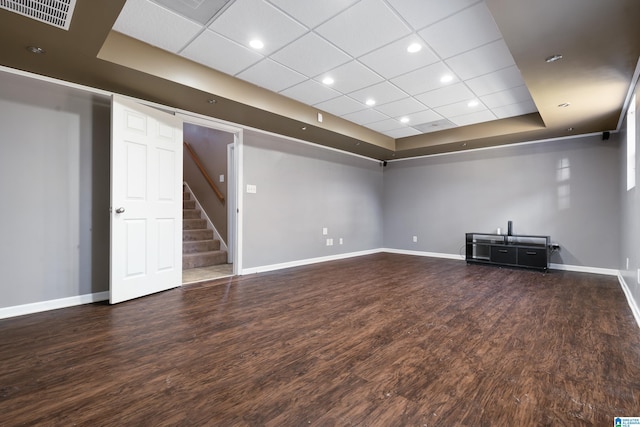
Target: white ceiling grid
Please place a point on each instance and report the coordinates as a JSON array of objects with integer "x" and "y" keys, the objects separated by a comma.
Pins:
[{"x": 361, "y": 44}]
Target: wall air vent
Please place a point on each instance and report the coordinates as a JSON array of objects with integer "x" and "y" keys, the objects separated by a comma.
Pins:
[{"x": 53, "y": 12}]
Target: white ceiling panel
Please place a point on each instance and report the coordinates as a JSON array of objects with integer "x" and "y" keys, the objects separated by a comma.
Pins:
[
  {"x": 483, "y": 60},
  {"x": 447, "y": 95},
  {"x": 363, "y": 27},
  {"x": 219, "y": 53},
  {"x": 310, "y": 92},
  {"x": 497, "y": 81},
  {"x": 518, "y": 109},
  {"x": 382, "y": 93},
  {"x": 506, "y": 97},
  {"x": 402, "y": 132},
  {"x": 401, "y": 107},
  {"x": 311, "y": 55},
  {"x": 341, "y": 106},
  {"x": 142, "y": 19},
  {"x": 471, "y": 28},
  {"x": 364, "y": 117},
  {"x": 421, "y": 117},
  {"x": 386, "y": 125},
  {"x": 393, "y": 60},
  {"x": 459, "y": 108},
  {"x": 420, "y": 13},
  {"x": 351, "y": 77},
  {"x": 248, "y": 19},
  {"x": 313, "y": 13},
  {"x": 271, "y": 75},
  {"x": 473, "y": 118},
  {"x": 423, "y": 79}
]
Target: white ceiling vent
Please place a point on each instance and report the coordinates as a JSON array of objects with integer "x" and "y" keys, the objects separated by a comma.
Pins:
[{"x": 53, "y": 12}]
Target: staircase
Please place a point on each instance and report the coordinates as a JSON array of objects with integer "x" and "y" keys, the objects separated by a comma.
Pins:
[{"x": 199, "y": 248}]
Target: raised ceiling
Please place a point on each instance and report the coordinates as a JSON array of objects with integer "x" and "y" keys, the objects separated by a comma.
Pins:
[{"x": 184, "y": 53}]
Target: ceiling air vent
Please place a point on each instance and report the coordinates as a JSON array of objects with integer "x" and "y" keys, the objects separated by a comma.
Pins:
[{"x": 53, "y": 12}]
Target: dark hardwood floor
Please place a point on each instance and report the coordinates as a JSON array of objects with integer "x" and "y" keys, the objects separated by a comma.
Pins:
[{"x": 380, "y": 340}]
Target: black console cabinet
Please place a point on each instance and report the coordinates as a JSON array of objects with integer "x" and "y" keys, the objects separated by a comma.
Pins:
[{"x": 513, "y": 251}]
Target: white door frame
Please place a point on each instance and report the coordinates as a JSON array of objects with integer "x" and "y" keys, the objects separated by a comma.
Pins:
[{"x": 235, "y": 195}]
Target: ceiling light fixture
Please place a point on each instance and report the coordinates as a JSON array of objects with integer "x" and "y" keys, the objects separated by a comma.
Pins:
[
  {"x": 303, "y": 128},
  {"x": 256, "y": 44},
  {"x": 328, "y": 81},
  {"x": 564, "y": 105},
  {"x": 473, "y": 103},
  {"x": 446, "y": 78},
  {"x": 414, "y": 47},
  {"x": 570, "y": 129},
  {"x": 370, "y": 102},
  {"x": 553, "y": 58},
  {"x": 36, "y": 49},
  {"x": 404, "y": 120},
  {"x": 212, "y": 101}
]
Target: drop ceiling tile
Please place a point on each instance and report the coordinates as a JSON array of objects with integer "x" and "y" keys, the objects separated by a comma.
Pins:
[
  {"x": 141, "y": 20},
  {"x": 310, "y": 55},
  {"x": 473, "y": 118},
  {"x": 248, "y": 19},
  {"x": 364, "y": 117},
  {"x": 420, "y": 13},
  {"x": 518, "y": 109},
  {"x": 421, "y": 117},
  {"x": 351, "y": 77},
  {"x": 401, "y": 107},
  {"x": 310, "y": 92},
  {"x": 483, "y": 60},
  {"x": 382, "y": 93},
  {"x": 402, "y": 132},
  {"x": 392, "y": 60},
  {"x": 497, "y": 81},
  {"x": 447, "y": 95},
  {"x": 423, "y": 79},
  {"x": 222, "y": 54},
  {"x": 313, "y": 13},
  {"x": 435, "y": 126},
  {"x": 197, "y": 10},
  {"x": 340, "y": 106},
  {"x": 458, "y": 109},
  {"x": 468, "y": 29},
  {"x": 363, "y": 27},
  {"x": 506, "y": 97},
  {"x": 386, "y": 125},
  {"x": 271, "y": 75}
]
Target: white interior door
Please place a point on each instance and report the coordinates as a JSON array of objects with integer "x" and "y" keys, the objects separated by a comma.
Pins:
[{"x": 146, "y": 201}]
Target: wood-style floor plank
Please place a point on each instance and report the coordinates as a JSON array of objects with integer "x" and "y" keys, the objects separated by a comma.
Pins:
[{"x": 379, "y": 340}]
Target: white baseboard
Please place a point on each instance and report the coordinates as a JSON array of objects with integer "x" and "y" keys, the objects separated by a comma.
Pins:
[
  {"x": 298, "y": 263},
  {"x": 583, "y": 269},
  {"x": 632, "y": 303},
  {"x": 37, "y": 307},
  {"x": 426, "y": 254}
]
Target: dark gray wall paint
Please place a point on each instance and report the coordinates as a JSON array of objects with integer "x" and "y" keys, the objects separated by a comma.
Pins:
[
  {"x": 54, "y": 177},
  {"x": 301, "y": 189},
  {"x": 630, "y": 211},
  {"x": 567, "y": 189}
]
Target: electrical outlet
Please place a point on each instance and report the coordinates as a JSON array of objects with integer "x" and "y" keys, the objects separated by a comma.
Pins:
[
  {"x": 415, "y": 239},
  {"x": 340, "y": 241},
  {"x": 329, "y": 242},
  {"x": 325, "y": 231},
  {"x": 221, "y": 178},
  {"x": 627, "y": 267},
  {"x": 639, "y": 276}
]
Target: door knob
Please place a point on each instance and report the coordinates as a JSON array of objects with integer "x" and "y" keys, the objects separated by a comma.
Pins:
[{"x": 120, "y": 210}]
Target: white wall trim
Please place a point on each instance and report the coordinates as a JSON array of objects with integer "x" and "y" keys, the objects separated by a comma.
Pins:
[
  {"x": 632, "y": 303},
  {"x": 308, "y": 261},
  {"x": 425, "y": 254},
  {"x": 583, "y": 269},
  {"x": 37, "y": 307}
]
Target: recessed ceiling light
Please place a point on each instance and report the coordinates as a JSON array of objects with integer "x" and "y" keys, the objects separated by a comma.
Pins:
[
  {"x": 414, "y": 47},
  {"x": 212, "y": 101},
  {"x": 303, "y": 128},
  {"x": 446, "y": 78},
  {"x": 404, "y": 120},
  {"x": 473, "y": 103},
  {"x": 370, "y": 102},
  {"x": 36, "y": 49},
  {"x": 553, "y": 58},
  {"x": 570, "y": 129},
  {"x": 256, "y": 44},
  {"x": 564, "y": 105},
  {"x": 328, "y": 81}
]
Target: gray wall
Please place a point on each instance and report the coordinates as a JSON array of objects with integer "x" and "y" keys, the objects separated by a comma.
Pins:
[
  {"x": 300, "y": 190},
  {"x": 630, "y": 208},
  {"x": 211, "y": 147},
  {"x": 54, "y": 180},
  {"x": 567, "y": 189}
]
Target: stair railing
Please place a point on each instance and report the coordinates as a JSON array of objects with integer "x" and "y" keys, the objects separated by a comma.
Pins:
[{"x": 198, "y": 163}]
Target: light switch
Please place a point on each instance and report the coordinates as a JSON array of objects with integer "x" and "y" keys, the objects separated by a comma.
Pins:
[
  {"x": 325, "y": 231},
  {"x": 252, "y": 188},
  {"x": 221, "y": 178}
]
